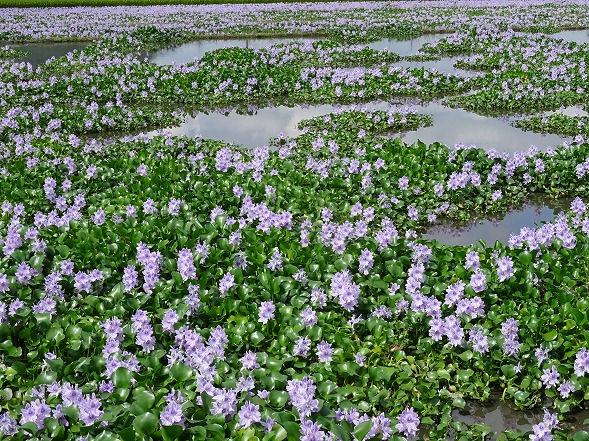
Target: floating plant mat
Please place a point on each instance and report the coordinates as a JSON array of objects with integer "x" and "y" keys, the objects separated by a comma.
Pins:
[
  {"x": 445, "y": 65},
  {"x": 39, "y": 53},
  {"x": 497, "y": 227},
  {"x": 194, "y": 50}
]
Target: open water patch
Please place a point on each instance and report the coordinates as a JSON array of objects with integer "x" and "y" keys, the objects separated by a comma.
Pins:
[
  {"x": 39, "y": 53},
  {"x": 579, "y": 36},
  {"x": 405, "y": 47},
  {"x": 496, "y": 227},
  {"x": 189, "y": 52},
  {"x": 452, "y": 126},
  {"x": 500, "y": 416}
]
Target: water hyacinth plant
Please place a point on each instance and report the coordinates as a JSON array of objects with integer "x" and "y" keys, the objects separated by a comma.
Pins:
[{"x": 155, "y": 286}]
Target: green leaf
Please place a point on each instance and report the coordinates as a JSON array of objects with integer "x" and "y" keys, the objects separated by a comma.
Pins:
[
  {"x": 550, "y": 335},
  {"x": 581, "y": 435},
  {"x": 508, "y": 370},
  {"x": 276, "y": 434},
  {"x": 121, "y": 378},
  {"x": 145, "y": 399},
  {"x": 171, "y": 433},
  {"x": 362, "y": 429},
  {"x": 278, "y": 398},
  {"x": 181, "y": 372},
  {"x": 146, "y": 424}
]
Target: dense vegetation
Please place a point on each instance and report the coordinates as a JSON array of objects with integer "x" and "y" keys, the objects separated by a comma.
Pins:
[{"x": 184, "y": 288}]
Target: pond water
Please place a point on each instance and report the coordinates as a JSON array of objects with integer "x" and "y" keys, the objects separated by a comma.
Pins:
[
  {"x": 501, "y": 416},
  {"x": 499, "y": 227},
  {"x": 194, "y": 50},
  {"x": 39, "y": 53},
  {"x": 450, "y": 126},
  {"x": 187, "y": 53},
  {"x": 579, "y": 36},
  {"x": 405, "y": 47}
]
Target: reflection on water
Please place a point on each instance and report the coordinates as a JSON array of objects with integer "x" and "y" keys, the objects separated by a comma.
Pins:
[
  {"x": 249, "y": 130},
  {"x": 450, "y": 126},
  {"x": 405, "y": 47},
  {"x": 39, "y": 53},
  {"x": 501, "y": 416},
  {"x": 497, "y": 227},
  {"x": 194, "y": 50}
]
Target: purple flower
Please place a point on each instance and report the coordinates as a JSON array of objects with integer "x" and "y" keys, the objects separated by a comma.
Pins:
[
  {"x": 224, "y": 402},
  {"x": 249, "y": 361},
  {"x": 25, "y": 272},
  {"x": 505, "y": 268},
  {"x": 7, "y": 425},
  {"x": 172, "y": 413},
  {"x": 324, "y": 352},
  {"x": 582, "y": 362},
  {"x": 275, "y": 262},
  {"x": 453, "y": 330},
  {"x": 309, "y": 317},
  {"x": 142, "y": 170},
  {"x": 509, "y": 331},
  {"x": 472, "y": 261},
  {"x": 478, "y": 340},
  {"x": 143, "y": 331},
  {"x": 248, "y": 415},
  {"x": 266, "y": 311},
  {"x": 302, "y": 396},
  {"x": 366, "y": 261},
  {"x": 193, "y": 298},
  {"x": 4, "y": 284},
  {"x": 99, "y": 217},
  {"x": 565, "y": 389},
  {"x": 550, "y": 377},
  {"x": 302, "y": 347},
  {"x": 478, "y": 281},
  {"x": 541, "y": 354},
  {"x": 311, "y": 431},
  {"x": 345, "y": 290},
  {"x": 83, "y": 282},
  {"x": 403, "y": 183},
  {"x": 89, "y": 410},
  {"x": 169, "y": 320},
  {"x": 454, "y": 293},
  {"x": 408, "y": 422},
  {"x": 226, "y": 283},
  {"x": 35, "y": 412},
  {"x": 186, "y": 266},
  {"x": 130, "y": 278},
  {"x": 174, "y": 206}
]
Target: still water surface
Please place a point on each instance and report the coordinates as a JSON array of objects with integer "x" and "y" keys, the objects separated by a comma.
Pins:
[
  {"x": 450, "y": 126},
  {"x": 39, "y": 53},
  {"x": 499, "y": 227}
]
